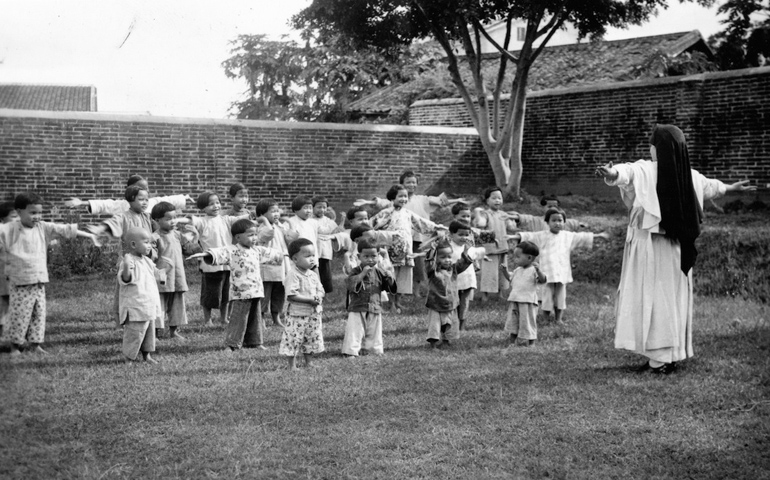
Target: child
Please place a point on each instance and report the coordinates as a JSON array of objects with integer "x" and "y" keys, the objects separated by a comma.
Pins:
[
  {"x": 25, "y": 246},
  {"x": 140, "y": 307},
  {"x": 443, "y": 298},
  {"x": 7, "y": 215},
  {"x": 304, "y": 294},
  {"x": 365, "y": 284},
  {"x": 356, "y": 216},
  {"x": 246, "y": 328},
  {"x": 168, "y": 240},
  {"x": 532, "y": 223},
  {"x": 522, "y": 301},
  {"x": 274, "y": 274},
  {"x": 461, "y": 237},
  {"x": 214, "y": 231},
  {"x": 303, "y": 224},
  {"x": 325, "y": 252},
  {"x": 556, "y": 247},
  {"x": 116, "y": 207},
  {"x": 239, "y": 198},
  {"x": 400, "y": 219},
  {"x": 493, "y": 219}
]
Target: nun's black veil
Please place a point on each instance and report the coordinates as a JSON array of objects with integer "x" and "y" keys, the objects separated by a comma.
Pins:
[{"x": 681, "y": 214}]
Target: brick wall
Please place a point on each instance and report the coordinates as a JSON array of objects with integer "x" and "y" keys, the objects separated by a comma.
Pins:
[
  {"x": 90, "y": 155},
  {"x": 725, "y": 116}
]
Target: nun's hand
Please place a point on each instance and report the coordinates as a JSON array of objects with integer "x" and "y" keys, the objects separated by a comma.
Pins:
[
  {"x": 741, "y": 186},
  {"x": 607, "y": 171}
]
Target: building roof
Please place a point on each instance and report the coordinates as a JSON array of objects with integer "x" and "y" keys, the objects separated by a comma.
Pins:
[
  {"x": 76, "y": 98},
  {"x": 559, "y": 66}
]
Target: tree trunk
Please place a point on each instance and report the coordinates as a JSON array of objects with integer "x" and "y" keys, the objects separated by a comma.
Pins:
[{"x": 519, "y": 97}]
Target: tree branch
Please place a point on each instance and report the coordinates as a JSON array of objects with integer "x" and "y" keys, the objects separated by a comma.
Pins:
[
  {"x": 503, "y": 50},
  {"x": 501, "y": 78}
]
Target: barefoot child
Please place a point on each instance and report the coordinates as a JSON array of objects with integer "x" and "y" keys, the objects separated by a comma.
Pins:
[
  {"x": 274, "y": 273},
  {"x": 522, "y": 301},
  {"x": 304, "y": 294},
  {"x": 556, "y": 247},
  {"x": 25, "y": 246},
  {"x": 493, "y": 219},
  {"x": 116, "y": 207},
  {"x": 365, "y": 284},
  {"x": 139, "y": 298},
  {"x": 168, "y": 240},
  {"x": 214, "y": 231},
  {"x": 246, "y": 328},
  {"x": 443, "y": 298}
]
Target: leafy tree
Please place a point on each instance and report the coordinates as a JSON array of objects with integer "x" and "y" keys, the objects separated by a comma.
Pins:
[
  {"x": 317, "y": 81},
  {"x": 745, "y": 41},
  {"x": 389, "y": 24}
]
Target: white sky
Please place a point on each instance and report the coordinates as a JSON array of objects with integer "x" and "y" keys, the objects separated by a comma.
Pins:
[{"x": 170, "y": 63}]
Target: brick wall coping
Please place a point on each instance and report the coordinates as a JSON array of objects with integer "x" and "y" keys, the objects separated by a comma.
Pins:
[
  {"x": 94, "y": 116},
  {"x": 746, "y": 72}
]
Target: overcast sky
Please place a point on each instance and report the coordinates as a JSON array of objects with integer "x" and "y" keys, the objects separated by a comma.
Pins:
[{"x": 164, "y": 57}]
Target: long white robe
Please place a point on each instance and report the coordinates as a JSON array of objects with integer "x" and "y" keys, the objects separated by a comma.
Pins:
[{"x": 655, "y": 299}]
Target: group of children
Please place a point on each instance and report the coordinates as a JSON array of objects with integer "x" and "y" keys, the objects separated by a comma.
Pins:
[{"x": 255, "y": 262}]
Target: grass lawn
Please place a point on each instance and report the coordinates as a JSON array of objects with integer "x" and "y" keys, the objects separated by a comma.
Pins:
[{"x": 569, "y": 407}]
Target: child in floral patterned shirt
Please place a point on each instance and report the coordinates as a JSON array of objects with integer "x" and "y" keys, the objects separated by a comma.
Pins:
[
  {"x": 304, "y": 292},
  {"x": 246, "y": 328}
]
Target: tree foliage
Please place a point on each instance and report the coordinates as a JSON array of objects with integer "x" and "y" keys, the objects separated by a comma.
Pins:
[
  {"x": 317, "y": 80},
  {"x": 458, "y": 26},
  {"x": 745, "y": 40}
]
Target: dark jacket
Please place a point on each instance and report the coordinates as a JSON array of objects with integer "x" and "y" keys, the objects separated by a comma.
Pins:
[
  {"x": 442, "y": 284},
  {"x": 365, "y": 296}
]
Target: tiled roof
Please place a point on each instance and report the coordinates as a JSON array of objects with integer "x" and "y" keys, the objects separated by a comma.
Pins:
[
  {"x": 557, "y": 67},
  {"x": 17, "y": 96}
]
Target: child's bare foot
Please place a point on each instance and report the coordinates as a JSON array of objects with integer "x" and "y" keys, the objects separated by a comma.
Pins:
[
  {"x": 261, "y": 347},
  {"x": 209, "y": 324},
  {"x": 150, "y": 360},
  {"x": 224, "y": 320},
  {"x": 176, "y": 336},
  {"x": 38, "y": 350},
  {"x": 15, "y": 353}
]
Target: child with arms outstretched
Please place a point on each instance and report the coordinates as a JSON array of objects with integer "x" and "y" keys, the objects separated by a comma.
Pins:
[
  {"x": 274, "y": 273},
  {"x": 246, "y": 328},
  {"x": 556, "y": 246},
  {"x": 25, "y": 246}
]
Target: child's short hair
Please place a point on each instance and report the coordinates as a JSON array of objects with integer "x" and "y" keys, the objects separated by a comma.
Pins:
[
  {"x": 458, "y": 225},
  {"x": 263, "y": 205},
  {"x": 296, "y": 246},
  {"x": 320, "y": 199},
  {"x": 299, "y": 202},
  {"x": 555, "y": 211},
  {"x": 393, "y": 191},
  {"x": 364, "y": 244},
  {"x": 134, "y": 179},
  {"x": 241, "y": 226},
  {"x": 459, "y": 207},
  {"x": 159, "y": 210},
  {"x": 407, "y": 174},
  {"x": 442, "y": 244},
  {"x": 6, "y": 208},
  {"x": 204, "y": 199},
  {"x": 528, "y": 248},
  {"x": 352, "y": 212},
  {"x": 549, "y": 198},
  {"x": 358, "y": 231},
  {"x": 235, "y": 188},
  {"x": 23, "y": 200},
  {"x": 489, "y": 190},
  {"x": 132, "y": 191}
]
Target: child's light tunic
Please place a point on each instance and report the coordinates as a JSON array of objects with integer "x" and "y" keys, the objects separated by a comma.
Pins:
[
  {"x": 214, "y": 233},
  {"x": 245, "y": 268},
  {"x": 171, "y": 261},
  {"x": 555, "y": 250},
  {"x": 123, "y": 222},
  {"x": 26, "y": 250},
  {"x": 140, "y": 307},
  {"x": 276, "y": 271},
  {"x": 490, "y": 279},
  {"x": 303, "y": 332},
  {"x": 522, "y": 304}
]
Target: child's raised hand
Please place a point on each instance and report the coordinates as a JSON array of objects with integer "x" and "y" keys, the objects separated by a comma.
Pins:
[
  {"x": 361, "y": 201},
  {"x": 188, "y": 198},
  {"x": 603, "y": 235},
  {"x": 741, "y": 187},
  {"x": 97, "y": 240},
  {"x": 415, "y": 255},
  {"x": 73, "y": 202}
]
